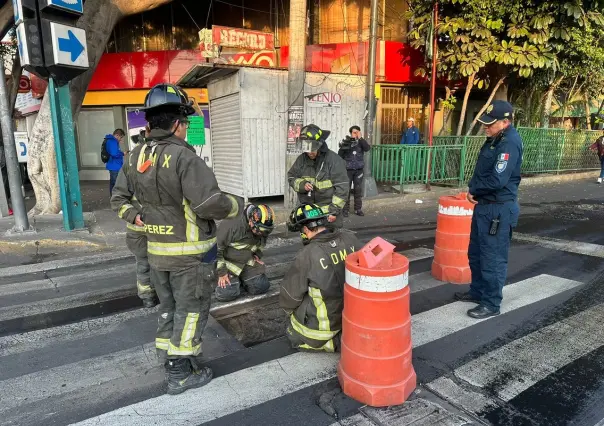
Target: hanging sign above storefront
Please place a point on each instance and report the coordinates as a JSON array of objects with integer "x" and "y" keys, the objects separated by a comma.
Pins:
[{"x": 242, "y": 39}]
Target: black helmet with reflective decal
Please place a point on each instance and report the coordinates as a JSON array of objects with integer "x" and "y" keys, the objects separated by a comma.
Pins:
[{"x": 167, "y": 98}]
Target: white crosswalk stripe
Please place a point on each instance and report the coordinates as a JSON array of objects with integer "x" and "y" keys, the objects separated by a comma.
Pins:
[
  {"x": 289, "y": 374},
  {"x": 525, "y": 361}
]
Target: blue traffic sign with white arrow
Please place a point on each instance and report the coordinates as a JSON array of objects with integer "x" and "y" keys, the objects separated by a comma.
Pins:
[
  {"x": 68, "y": 46},
  {"x": 71, "y": 6},
  {"x": 71, "y": 45}
]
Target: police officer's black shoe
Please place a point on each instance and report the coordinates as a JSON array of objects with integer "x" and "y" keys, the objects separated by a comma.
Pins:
[
  {"x": 345, "y": 213},
  {"x": 182, "y": 376},
  {"x": 482, "y": 312},
  {"x": 466, "y": 297},
  {"x": 360, "y": 213},
  {"x": 149, "y": 302}
]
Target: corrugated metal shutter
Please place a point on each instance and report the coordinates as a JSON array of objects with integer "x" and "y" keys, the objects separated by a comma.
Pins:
[{"x": 225, "y": 116}]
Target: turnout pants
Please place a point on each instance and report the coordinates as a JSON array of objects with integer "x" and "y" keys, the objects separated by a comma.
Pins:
[
  {"x": 185, "y": 297},
  {"x": 137, "y": 244},
  {"x": 306, "y": 344},
  {"x": 253, "y": 279},
  {"x": 355, "y": 177},
  {"x": 488, "y": 254}
]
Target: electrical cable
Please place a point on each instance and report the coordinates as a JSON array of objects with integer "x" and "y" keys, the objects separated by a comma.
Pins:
[{"x": 186, "y": 10}]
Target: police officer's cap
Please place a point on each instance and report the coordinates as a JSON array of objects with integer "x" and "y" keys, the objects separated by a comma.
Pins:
[
  {"x": 498, "y": 110},
  {"x": 167, "y": 98}
]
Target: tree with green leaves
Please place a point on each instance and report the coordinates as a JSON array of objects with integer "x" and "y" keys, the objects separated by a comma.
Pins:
[{"x": 489, "y": 44}]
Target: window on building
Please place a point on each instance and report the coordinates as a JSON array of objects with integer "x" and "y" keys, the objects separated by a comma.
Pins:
[{"x": 93, "y": 125}]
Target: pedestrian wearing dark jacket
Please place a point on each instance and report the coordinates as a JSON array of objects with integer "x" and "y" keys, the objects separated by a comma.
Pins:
[
  {"x": 598, "y": 146},
  {"x": 352, "y": 150},
  {"x": 116, "y": 156}
]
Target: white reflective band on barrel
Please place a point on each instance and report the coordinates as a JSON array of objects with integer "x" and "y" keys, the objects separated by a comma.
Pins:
[
  {"x": 377, "y": 284},
  {"x": 454, "y": 211}
]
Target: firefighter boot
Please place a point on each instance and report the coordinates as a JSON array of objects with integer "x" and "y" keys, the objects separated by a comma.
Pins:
[
  {"x": 181, "y": 376},
  {"x": 149, "y": 302}
]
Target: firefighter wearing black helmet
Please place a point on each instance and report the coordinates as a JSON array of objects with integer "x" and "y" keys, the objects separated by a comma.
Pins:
[
  {"x": 179, "y": 200},
  {"x": 319, "y": 175},
  {"x": 312, "y": 291},
  {"x": 240, "y": 244}
]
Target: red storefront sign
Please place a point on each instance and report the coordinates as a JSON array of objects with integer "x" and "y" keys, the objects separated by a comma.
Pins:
[{"x": 242, "y": 39}]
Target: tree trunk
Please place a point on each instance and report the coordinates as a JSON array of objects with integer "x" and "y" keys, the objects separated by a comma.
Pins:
[
  {"x": 587, "y": 111},
  {"x": 568, "y": 98},
  {"x": 486, "y": 105},
  {"x": 7, "y": 18},
  {"x": 464, "y": 106},
  {"x": 99, "y": 19},
  {"x": 549, "y": 98}
]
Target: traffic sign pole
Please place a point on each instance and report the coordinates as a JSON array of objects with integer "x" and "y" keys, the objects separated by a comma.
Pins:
[{"x": 65, "y": 147}]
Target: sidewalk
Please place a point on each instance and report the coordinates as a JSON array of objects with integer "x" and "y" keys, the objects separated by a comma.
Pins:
[{"x": 105, "y": 232}]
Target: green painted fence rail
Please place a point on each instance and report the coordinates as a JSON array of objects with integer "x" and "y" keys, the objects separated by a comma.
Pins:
[{"x": 452, "y": 158}]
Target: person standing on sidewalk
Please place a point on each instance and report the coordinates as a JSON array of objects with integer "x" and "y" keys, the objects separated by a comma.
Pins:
[
  {"x": 180, "y": 200},
  {"x": 352, "y": 150},
  {"x": 598, "y": 146},
  {"x": 494, "y": 191},
  {"x": 116, "y": 156},
  {"x": 411, "y": 134}
]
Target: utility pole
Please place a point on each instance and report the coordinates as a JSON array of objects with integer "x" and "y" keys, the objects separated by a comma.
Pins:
[
  {"x": 369, "y": 185},
  {"x": 12, "y": 160},
  {"x": 432, "y": 88},
  {"x": 295, "y": 80}
]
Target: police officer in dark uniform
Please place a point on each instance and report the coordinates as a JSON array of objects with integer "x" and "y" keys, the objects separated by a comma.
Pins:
[
  {"x": 352, "y": 150},
  {"x": 494, "y": 191}
]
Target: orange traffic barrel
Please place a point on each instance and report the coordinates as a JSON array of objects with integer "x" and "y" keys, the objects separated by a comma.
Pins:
[
  {"x": 375, "y": 367},
  {"x": 453, "y": 225}
]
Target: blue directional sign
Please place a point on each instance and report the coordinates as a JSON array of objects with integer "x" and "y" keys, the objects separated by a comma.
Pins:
[
  {"x": 68, "y": 46},
  {"x": 71, "y": 6}
]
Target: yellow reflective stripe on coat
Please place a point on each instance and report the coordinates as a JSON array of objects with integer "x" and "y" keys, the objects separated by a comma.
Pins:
[
  {"x": 325, "y": 209},
  {"x": 191, "y": 219},
  {"x": 324, "y": 184},
  {"x": 134, "y": 227},
  {"x": 310, "y": 333},
  {"x": 180, "y": 249},
  {"x": 240, "y": 246},
  {"x": 233, "y": 268},
  {"x": 124, "y": 209},
  {"x": 234, "y": 207},
  {"x": 298, "y": 184},
  {"x": 317, "y": 299},
  {"x": 186, "y": 338},
  {"x": 162, "y": 344},
  {"x": 339, "y": 202}
]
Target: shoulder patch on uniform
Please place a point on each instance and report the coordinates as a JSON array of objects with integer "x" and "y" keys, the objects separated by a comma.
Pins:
[
  {"x": 501, "y": 166},
  {"x": 333, "y": 243},
  {"x": 504, "y": 157}
]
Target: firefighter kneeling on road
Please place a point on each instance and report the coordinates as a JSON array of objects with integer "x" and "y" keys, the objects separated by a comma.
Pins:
[
  {"x": 312, "y": 291},
  {"x": 319, "y": 175},
  {"x": 180, "y": 200},
  {"x": 240, "y": 243}
]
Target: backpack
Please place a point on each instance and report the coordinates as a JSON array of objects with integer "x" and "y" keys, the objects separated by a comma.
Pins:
[{"x": 104, "y": 154}]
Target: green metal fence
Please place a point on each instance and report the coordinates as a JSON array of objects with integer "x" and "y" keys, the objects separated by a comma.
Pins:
[
  {"x": 453, "y": 158},
  {"x": 405, "y": 164}
]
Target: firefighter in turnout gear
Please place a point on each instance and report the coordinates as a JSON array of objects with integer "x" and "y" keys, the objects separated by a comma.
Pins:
[
  {"x": 240, "y": 243},
  {"x": 312, "y": 291},
  {"x": 179, "y": 200},
  {"x": 319, "y": 175},
  {"x": 136, "y": 240}
]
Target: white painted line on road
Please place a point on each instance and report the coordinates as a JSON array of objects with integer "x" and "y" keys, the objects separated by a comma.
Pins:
[
  {"x": 80, "y": 375},
  {"x": 286, "y": 375},
  {"x": 524, "y": 362},
  {"x": 65, "y": 263},
  {"x": 577, "y": 247},
  {"x": 418, "y": 254},
  {"x": 227, "y": 394},
  {"x": 440, "y": 322}
]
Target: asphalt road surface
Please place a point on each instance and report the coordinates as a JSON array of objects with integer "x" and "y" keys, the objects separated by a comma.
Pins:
[{"x": 539, "y": 363}]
